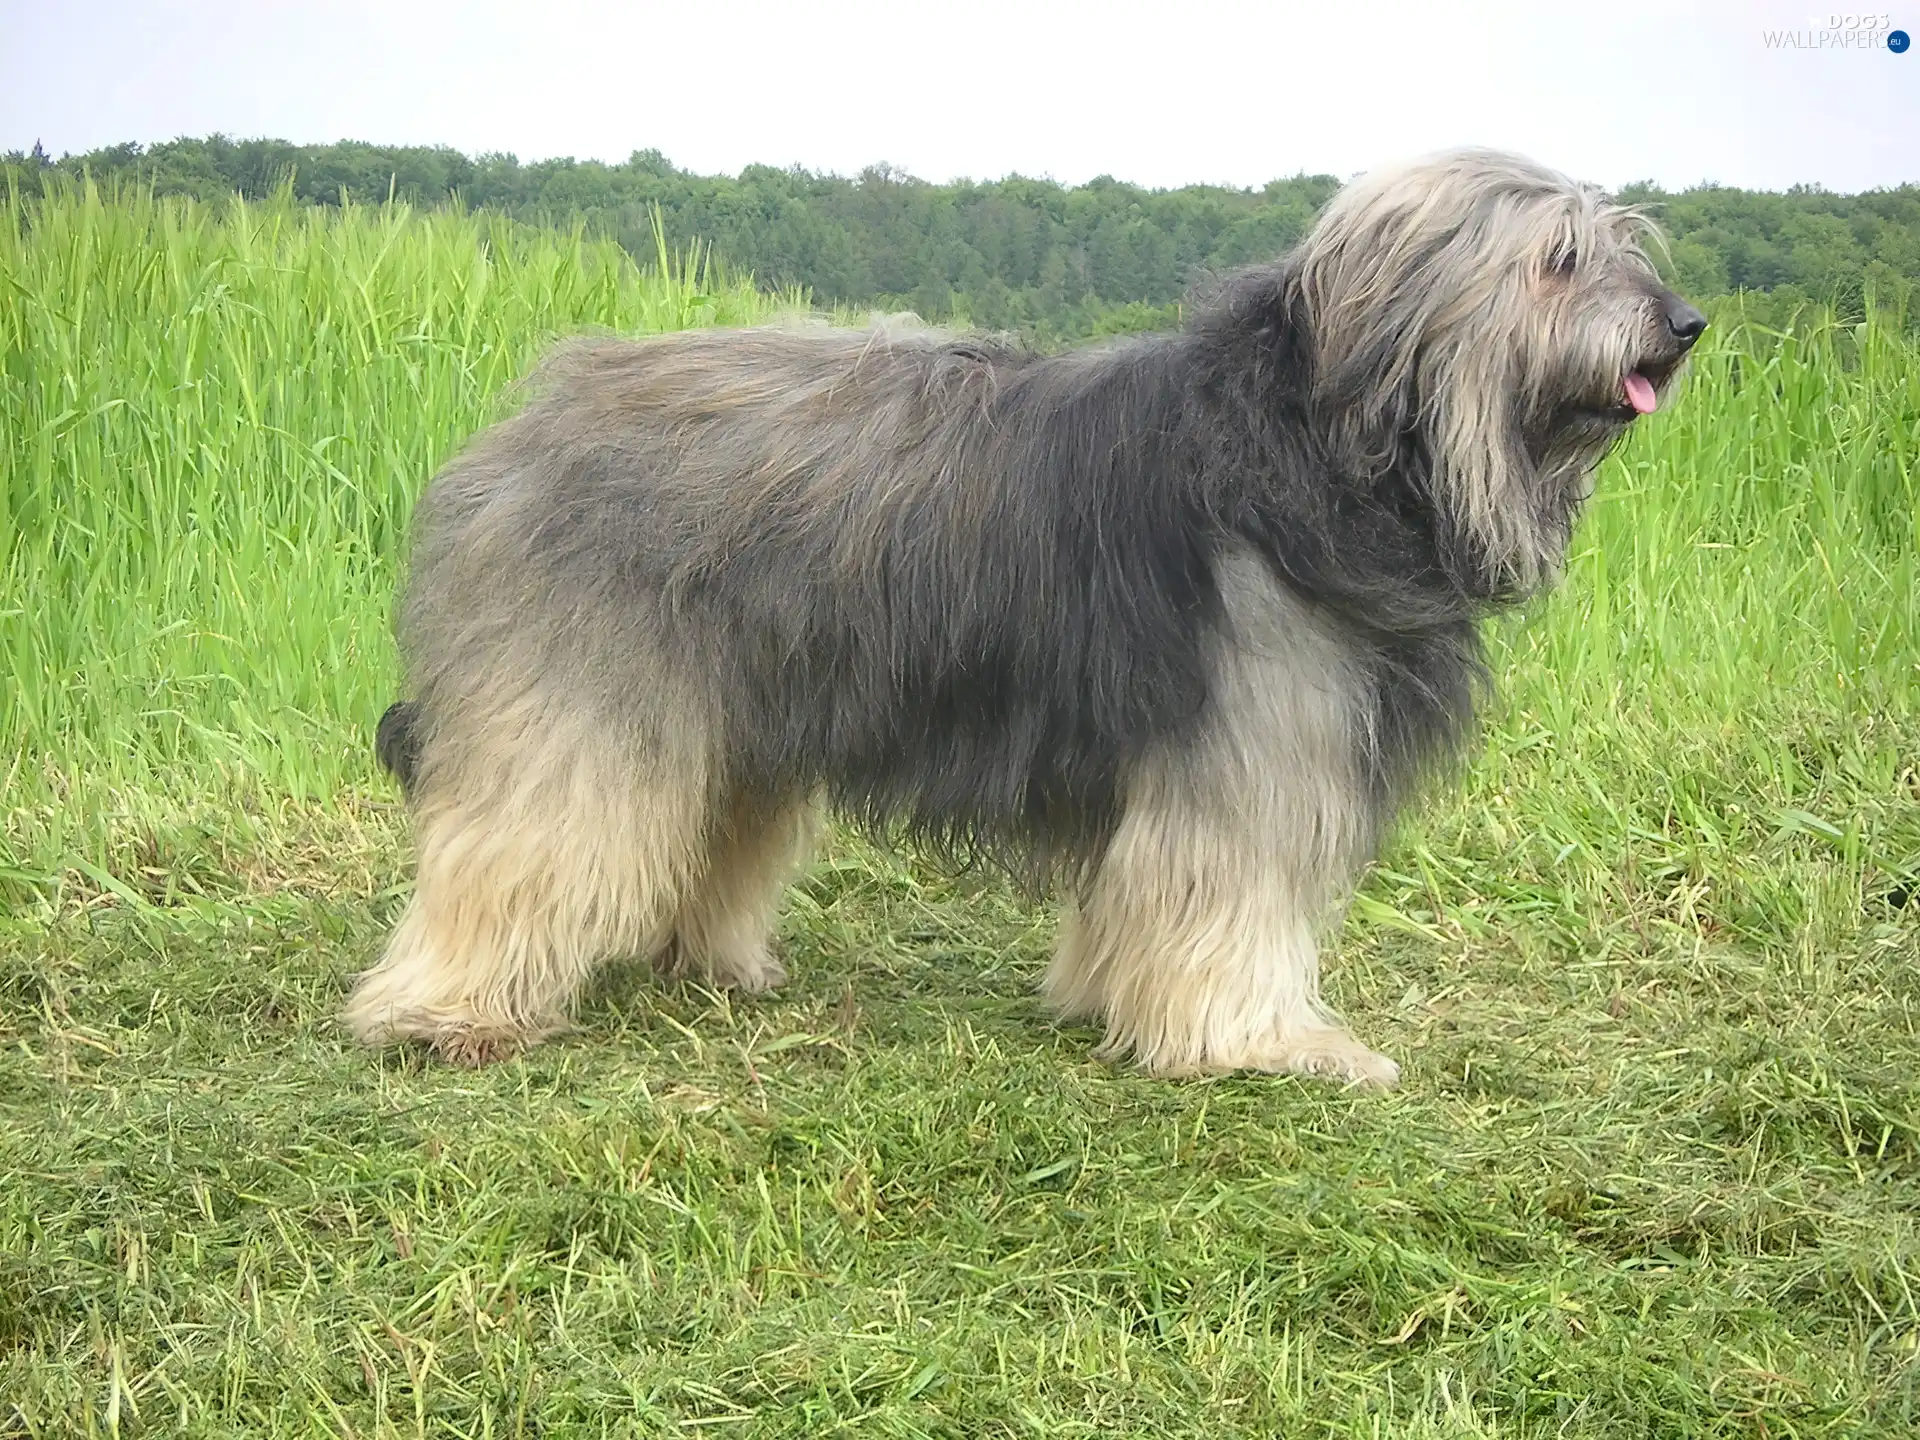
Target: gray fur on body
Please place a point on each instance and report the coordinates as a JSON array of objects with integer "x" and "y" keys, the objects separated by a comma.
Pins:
[{"x": 957, "y": 584}]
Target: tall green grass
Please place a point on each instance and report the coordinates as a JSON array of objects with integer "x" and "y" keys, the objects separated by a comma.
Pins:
[{"x": 213, "y": 422}]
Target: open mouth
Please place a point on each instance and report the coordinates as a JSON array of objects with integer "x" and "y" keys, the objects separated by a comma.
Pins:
[{"x": 1639, "y": 394}]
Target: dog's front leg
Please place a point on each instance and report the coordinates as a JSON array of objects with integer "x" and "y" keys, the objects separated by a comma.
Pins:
[{"x": 1194, "y": 939}]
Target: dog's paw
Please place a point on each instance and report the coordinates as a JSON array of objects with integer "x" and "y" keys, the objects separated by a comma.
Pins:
[
  {"x": 749, "y": 972},
  {"x": 1328, "y": 1055},
  {"x": 769, "y": 974},
  {"x": 474, "y": 1047},
  {"x": 454, "y": 1034}
]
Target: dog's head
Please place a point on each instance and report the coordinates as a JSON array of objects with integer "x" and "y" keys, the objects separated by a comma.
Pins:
[{"x": 1494, "y": 326}]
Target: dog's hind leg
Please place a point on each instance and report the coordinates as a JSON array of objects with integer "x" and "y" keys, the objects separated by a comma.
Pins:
[
  {"x": 725, "y": 924},
  {"x": 545, "y": 847},
  {"x": 1194, "y": 940}
]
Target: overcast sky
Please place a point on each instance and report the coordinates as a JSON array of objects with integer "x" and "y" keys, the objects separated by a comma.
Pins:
[{"x": 1161, "y": 94}]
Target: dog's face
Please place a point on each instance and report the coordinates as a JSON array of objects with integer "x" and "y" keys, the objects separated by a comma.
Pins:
[
  {"x": 1506, "y": 320},
  {"x": 1604, "y": 339}
]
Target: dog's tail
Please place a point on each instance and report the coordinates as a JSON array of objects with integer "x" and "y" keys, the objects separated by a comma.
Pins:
[{"x": 396, "y": 741}]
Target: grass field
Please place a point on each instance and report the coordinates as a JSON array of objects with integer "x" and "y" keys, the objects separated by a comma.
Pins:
[{"x": 1654, "y": 1169}]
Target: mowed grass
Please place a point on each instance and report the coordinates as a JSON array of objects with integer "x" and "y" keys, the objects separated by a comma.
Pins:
[{"x": 1654, "y": 1169}]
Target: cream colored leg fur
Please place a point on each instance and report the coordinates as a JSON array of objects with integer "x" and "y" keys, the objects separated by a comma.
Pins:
[
  {"x": 726, "y": 922},
  {"x": 1195, "y": 941},
  {"x": 543, "y": 850}
]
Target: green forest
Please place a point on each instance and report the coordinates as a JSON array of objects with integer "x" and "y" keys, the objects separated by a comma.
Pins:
[{"x": 1054, "y": 261}]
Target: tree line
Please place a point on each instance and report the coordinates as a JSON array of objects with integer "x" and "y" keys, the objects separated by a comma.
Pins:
[{"x": 1053, "y": 260}]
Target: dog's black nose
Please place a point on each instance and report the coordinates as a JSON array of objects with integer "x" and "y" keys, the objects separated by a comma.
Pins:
[{"x": 1684, "y": 321}]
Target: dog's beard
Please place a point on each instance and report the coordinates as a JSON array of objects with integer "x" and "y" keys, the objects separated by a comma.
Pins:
[{"x": 1591, "y": 409}]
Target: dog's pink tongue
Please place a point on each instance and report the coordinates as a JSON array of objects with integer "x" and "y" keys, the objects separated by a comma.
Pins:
[{"x": 1640, "y": 393}]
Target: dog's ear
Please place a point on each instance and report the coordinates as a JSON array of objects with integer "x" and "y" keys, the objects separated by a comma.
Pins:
[
  {"x": 1365, "y": 360},
  {"x": 1413, "y": 406}
]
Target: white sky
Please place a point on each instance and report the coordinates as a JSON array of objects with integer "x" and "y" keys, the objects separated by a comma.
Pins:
[{"x": 1162, "y": 94}]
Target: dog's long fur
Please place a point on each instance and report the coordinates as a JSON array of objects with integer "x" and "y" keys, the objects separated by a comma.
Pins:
[{"x": 1179, "y": 620}]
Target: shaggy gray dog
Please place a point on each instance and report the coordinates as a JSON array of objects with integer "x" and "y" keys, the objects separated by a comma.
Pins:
[{"x": 1176, "y": 621}]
